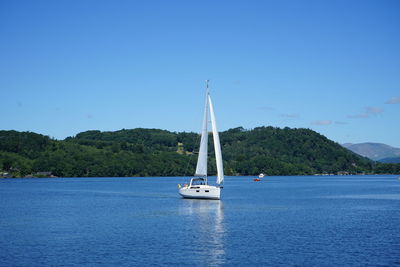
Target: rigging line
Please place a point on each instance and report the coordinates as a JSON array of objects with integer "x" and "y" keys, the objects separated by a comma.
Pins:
[
  {"x": 191, "y": 155},
  {"x": 164, "y": 172}
]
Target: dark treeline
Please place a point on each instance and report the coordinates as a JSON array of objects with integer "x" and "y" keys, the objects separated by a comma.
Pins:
[{"x": 153, "y": 152}]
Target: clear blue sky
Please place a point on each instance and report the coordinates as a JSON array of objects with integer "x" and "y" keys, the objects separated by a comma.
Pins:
[{"x": 331, "y": 66}]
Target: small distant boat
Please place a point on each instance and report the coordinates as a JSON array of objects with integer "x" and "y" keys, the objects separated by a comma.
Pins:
[
  {"x": 198, "y": 186},
  {"x": 261, "y": 175},
  {"x": 256, "y": 179}
]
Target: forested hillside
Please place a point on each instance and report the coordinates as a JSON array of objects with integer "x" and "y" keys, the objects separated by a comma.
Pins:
[{"x": 153, "y": 152}]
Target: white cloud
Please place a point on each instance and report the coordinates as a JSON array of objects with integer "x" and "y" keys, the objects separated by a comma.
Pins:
[
  {"x": 374, "y": 110},
  {"x": 341, "y": 122},
  {"x": 369, "y": 111},
  {"x": 266, "y": 108},
  {"x": 393, "y": 100},
  {"x": 291, "y": 115},
  {"x": 322, "y": 122},
  {"x": 358, "y": 116}
]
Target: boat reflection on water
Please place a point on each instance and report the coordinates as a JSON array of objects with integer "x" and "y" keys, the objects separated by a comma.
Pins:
[{"x": 207, "y": 229}]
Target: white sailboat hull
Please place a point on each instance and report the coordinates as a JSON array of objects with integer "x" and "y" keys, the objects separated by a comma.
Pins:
[{"x": 201, "y": 192}]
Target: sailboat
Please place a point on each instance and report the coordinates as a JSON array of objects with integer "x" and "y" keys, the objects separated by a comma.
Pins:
[{"x": 198, "y": 186}]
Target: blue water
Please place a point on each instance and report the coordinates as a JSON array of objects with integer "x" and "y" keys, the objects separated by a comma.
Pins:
[{"x": 306, "y": 221}]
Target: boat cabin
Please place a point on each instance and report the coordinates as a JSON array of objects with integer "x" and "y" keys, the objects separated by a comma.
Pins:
[{"x": 196, "y": 182}]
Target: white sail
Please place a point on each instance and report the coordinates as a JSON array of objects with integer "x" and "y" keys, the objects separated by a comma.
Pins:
[
  {"x": 201, "y": 168},
  {"x": 217, "y": 145}
]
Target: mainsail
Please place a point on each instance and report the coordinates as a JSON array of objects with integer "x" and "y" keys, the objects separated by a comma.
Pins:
[{"x": 201, "y": 168}]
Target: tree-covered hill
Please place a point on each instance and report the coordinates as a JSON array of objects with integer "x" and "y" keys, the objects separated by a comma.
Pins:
[{"x": 154, "y": 152}]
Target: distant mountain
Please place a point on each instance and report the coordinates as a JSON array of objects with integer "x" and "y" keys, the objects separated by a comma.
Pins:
[
  {"x": 374, "y": 151},
  {"x": 390, "y": 160}
]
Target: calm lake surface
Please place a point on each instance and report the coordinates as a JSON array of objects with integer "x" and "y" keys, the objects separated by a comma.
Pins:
[{"x": 317, "y": 221}]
